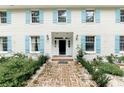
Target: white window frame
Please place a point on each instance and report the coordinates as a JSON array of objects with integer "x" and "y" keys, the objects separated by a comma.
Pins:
[
  {"x": 93, "y": 15},
  {"x": 31, "y": 16},
  {"x": 31, "y": 45},
  {"x": 91, "y": 52},
  {"x": 58, "y": 16},
  {"x": 7, "y": 45},
  {"x": 4, "y": 17}
]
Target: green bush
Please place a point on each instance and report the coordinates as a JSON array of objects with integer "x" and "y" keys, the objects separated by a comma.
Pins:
[
  {"x": 111, "y": 58},
  {"x": 15, "y": 70},
  {"x": 100, "y": 78},
  {"x": 80, "y": 54},
  {"x": 88, "y": 66},
  {"x": 111, "y": 69}
]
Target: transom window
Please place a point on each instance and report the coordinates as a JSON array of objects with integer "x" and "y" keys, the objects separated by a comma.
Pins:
[
  {"x": 89, "y": 15},
  {"x": 90, "y": 40},
  {"x": 3, "y": 43},
  {"x": 3, "y": 17},
  {"x": 122, "y": 15},
  {"x": 35, "y": 16},
  {"x": 121, "y": 43},
  {"x": 62, "y": 14},
  {"x": 35, "y": 43}
]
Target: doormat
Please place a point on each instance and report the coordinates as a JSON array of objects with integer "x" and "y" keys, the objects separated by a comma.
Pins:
[{"x": 62, "y": 62}]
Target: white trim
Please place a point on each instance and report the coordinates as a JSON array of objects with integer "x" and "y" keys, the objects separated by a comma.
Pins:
[{"x": 4, "y": 52}]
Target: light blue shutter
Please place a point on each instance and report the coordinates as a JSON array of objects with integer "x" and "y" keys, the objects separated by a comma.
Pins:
[
  {"x": 28, "y": 16},
  {"x": 83, "y": 16},
  {"x": 41, "y": 44},
  {"x": 117, "y": 44},
  {"x": 9, "y": 44},
  {"x": 117, "y": 14},
  {"x": 97, "y": 15},
  {"x": 41, "y": 16},
  {"x": 8, "y": 17},
  {"x": 83, "y": 42},
  {"x": 27, "y": 44},
  {"x": 98, "y": 44},
  {"x": 68, "y": 16},
  {"x": 55, "y": 15}
]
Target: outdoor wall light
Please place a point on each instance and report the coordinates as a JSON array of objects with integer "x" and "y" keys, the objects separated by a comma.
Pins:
[
  {"x": 47, "y": 37},
  {"x": 76, "y": 37}
]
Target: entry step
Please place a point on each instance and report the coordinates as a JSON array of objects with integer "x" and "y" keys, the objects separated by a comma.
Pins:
[{"x": 62, "y": 58}]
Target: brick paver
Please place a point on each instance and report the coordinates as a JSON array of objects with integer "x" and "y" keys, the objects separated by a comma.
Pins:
[{"x": 63, "y": 75}]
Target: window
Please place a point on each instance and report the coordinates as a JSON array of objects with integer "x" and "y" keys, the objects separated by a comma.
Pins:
[
  {"x": 89, "y": 15},
  {"x": 90, "y": 40},
  {"x": 3, "y": 17},
  {"x": 121, "y": 43},
  {"x": 35, "y": 16},
  {"x": 122, "y": 15},
  {"x": 3, "y": 43},
  {"x": 35, "y": 43},
  {"x": 62, "y": 15}
]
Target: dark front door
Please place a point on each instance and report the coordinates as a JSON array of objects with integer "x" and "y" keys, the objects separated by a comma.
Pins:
[{"x": 62, "y": 47}]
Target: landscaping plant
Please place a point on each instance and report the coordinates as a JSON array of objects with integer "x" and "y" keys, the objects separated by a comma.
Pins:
[{"x": 16, "y": 70}]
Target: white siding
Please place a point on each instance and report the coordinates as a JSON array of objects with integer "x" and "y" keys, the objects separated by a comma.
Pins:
[{"x": 107, "y": 29}]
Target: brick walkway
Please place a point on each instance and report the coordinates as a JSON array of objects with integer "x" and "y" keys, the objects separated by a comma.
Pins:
[{"x": 63, "y": 75}]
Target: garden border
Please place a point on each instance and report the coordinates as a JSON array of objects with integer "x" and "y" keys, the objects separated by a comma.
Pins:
[{"x": 35, "y": 76}]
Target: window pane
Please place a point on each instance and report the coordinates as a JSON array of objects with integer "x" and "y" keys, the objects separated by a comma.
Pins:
[
  {"x": 35, "y": 13},
  {"x": 121, "y": 43},
  {"x": 35, "y": 17},
  {"x": 90, "y": 43},
  {"x": 3, "y": 43},
  {"x": 61, "y": 19},
  {"x": 89, "y": 15},
  {"x": 3, "y": 14},
  {"x": 62, "y": 15},
  {"x": 35, "y": 43},
  {"x": 122, "y": 15},
  {"x": 3, "y": 17},
  {"x": 3, "y": 20},
  {"x": 89, "y": 46}
]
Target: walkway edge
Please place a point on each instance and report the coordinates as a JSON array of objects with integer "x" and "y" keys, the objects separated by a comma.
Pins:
[{"x": 35, "y": 76}]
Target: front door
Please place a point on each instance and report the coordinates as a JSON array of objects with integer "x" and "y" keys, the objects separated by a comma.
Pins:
[{"x": 62, "y": 47}]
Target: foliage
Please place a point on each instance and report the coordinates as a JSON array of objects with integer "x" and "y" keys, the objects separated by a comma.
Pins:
[
  {"x": 80, "y": 54},
  {"x": 111, "y": 58},
  {"x": 111, "y": 69},
  {"x": 15, "y": 70},
  {"x": 100, "y": 78},
  {"x": 120, "y": 59}
]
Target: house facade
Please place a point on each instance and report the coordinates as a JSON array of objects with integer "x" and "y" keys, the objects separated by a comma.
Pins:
[{"x": 59, "y": 30}]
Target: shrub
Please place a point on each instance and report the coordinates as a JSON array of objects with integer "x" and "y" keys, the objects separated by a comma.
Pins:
[
  {"x": 88, "y": 66},
  {"x": 100, "y": 78},
  {"x": 80, "y": 54},
  {"x": 111, "y": 58},
  {"x": 17, "y": 69},
  {"x": 111, "y": 69}
]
